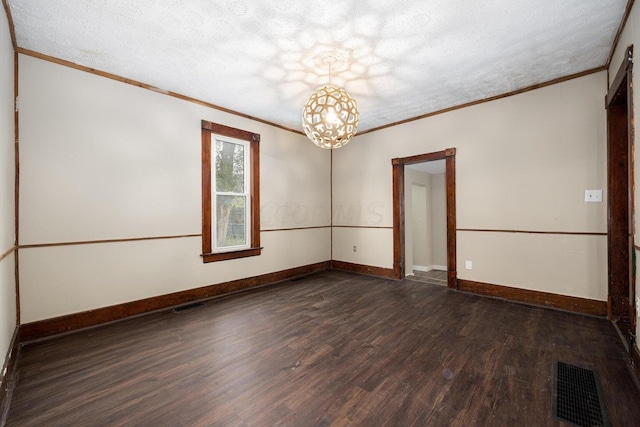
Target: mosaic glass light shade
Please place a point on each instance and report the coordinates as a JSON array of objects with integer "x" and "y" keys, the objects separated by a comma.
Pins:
[{"x": 330, "y": 117}]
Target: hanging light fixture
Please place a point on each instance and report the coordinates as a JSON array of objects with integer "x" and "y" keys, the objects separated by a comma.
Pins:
[{"x": 330, "y": 117}]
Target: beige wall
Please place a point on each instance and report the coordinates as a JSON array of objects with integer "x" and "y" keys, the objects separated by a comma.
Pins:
[
  {"x": 102, "y": 160},
  {"x": 426, "y": 226},
  {"x": 631, "y": 36},
  {"x": 417, "y": 220},
  {"x": 421, "y": 224},
  {"x": 522, "y": 163},
  {"x": 7, "y": 203},
  {"x": 439, "y": 220}
]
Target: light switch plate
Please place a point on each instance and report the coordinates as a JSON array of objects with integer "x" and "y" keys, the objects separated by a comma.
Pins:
[{"x": 592, "y": 195}]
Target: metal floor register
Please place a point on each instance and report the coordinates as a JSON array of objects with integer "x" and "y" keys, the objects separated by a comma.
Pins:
[{"x": 577, "y": 396}]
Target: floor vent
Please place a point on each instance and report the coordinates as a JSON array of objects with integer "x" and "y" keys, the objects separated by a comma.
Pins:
[
  {"x": 296, "y": 279},
  {"x": 577, "y": 396},
  {"x": 187, "y": 307}
]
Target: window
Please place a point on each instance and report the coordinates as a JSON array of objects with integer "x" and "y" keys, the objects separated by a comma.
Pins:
[{"x": 230, "y": 193}]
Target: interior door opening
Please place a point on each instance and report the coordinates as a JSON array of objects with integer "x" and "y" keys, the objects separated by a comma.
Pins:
[
  {"x": 402, "y": 214},
  {"x": 620, "y": 205},
  {"x": 426, "y": 221}
]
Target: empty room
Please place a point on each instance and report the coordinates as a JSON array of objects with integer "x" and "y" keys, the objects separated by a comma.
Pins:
[{"x": 334, "y": 213}]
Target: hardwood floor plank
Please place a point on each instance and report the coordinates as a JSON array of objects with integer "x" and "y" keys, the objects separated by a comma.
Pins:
[{"x": 334, "y": 349}]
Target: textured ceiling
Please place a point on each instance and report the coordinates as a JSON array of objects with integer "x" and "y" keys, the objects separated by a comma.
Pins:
[{"x": 257, "y": 57}]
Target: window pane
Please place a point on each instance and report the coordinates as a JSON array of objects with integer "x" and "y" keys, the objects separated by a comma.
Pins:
[
  {"x": 229, "y": 167},
  {"x": 230, "y": 221}
]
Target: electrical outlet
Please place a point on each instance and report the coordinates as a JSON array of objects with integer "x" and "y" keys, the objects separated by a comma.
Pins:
[
  {"x": 355, "y": 249},
  {"x": 468, "y": 265},
  {"x": 593, "y": 196}
]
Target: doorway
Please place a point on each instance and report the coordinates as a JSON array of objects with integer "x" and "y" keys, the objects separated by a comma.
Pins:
[
  {"x": 426, "y": 222},
  {"x": 400, "y": 212},
  {"x": 620, "y": 187}
]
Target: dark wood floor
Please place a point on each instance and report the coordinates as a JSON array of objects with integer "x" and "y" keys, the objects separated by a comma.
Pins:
[{"x": 333, "y": 349}]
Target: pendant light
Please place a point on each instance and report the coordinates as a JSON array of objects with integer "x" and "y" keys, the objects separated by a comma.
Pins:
[{"x": 330, "y": 117}]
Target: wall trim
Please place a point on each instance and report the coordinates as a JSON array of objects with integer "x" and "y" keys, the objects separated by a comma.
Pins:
[
  {"x": 331, "y": 204},
  {"x": 620, "y": 198},
  {"x": 7, "y": 252},
  {"x": 76, "y": 321},
  {"x": 295, "y": 228},
  {"x": 368, "y": 270},
  {"x": 492, "y": 98},
  {"x": 111, "y": 76},
  {"x": 616, "y": 39},
  {"x": 16, "y": 156},
  {"x": 545, "y": 299},
  {"x": 364, "y": 226},
  {"x": 137, "y": 239},
  {"x": 12, "y": 29},
  {"x": 429, "y": 268},
  {"x": 121, "y": 79},
  {"x": 9, "y": 380},
  {"x": 566, "y": 233},
  {"x": 92, "y": 242}
]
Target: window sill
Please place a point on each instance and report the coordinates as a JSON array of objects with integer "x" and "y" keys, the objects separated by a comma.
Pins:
[{"x": 223, "y": 256}]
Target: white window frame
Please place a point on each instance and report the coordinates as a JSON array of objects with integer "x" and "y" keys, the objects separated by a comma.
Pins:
[{"x": 246, "y": 194}]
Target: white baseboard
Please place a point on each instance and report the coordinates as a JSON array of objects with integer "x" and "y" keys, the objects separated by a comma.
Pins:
[{"x": 430, "y": 267}]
